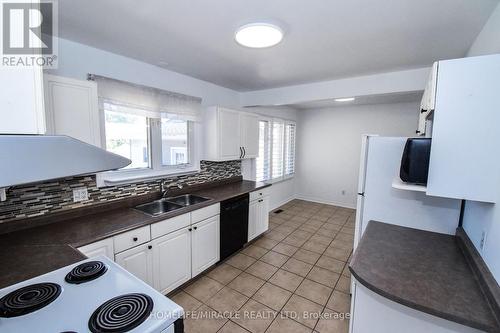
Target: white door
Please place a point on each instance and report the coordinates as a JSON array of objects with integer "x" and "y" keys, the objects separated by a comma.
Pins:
[
  {"x": 249, "y": 131},
  {"x": 264, "y": 215},
  {"x": 103, "y": 247},
  {"x": 229, "y": 134},
  {"x": 172, "y": 260},
  {"x": 138, "y": 261},
  {"x": 72, "y": 108},
  {"x": 205, "y": 244},
  {"x": 253, "y": 219}
]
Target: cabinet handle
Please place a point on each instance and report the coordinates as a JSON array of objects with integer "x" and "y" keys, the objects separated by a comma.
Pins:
[
  {"x": 135, "y": 239},
  {"x": 195, "y": 228},
  {"x": 244, "y": 152},
  {"x": 423, "y": 111},
  {"x": 261, "y": 200},
  {"x": 241, "y": 152},
  {"x": 417, "y": 131},
  {"x": 150, "y": 247},
  {"x": 190, "y": 229}
]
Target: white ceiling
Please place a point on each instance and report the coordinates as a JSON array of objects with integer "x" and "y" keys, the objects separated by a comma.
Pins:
[
  {"x": 324, "y": 39},
  {"x": 407, "y": 97}
]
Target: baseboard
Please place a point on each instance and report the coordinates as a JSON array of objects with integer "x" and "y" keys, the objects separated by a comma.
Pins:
[
  {"x": 281, "y": 203},
  {"x": 321, "y": 201}
]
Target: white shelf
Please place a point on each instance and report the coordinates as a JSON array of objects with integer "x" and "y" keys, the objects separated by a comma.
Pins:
[{"x": 400, "y": 185}]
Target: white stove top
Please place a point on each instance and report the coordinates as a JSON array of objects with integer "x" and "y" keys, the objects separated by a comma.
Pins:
[{"x": 71, "y": 310}]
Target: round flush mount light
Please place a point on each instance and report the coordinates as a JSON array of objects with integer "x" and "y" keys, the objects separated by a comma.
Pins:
[
  {"x": 346, "y": 99},
  {"x": 258, "y": 35}
]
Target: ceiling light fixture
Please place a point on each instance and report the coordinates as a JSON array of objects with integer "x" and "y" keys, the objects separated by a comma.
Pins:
[
  {"x": 258, "y": 35},
  {"x": 347, "y": 99}
]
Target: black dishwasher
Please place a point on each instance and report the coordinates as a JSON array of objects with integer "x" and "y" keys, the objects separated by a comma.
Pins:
[{"x": 233, "y": 225}]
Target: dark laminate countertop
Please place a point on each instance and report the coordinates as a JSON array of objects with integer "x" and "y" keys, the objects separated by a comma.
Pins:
[
  {"x": 423, "y": 270},
  {"x": 33, "y": 251}
]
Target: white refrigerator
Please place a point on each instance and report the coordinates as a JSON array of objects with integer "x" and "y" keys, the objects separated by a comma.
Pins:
[{"x": 379, "y": 201}]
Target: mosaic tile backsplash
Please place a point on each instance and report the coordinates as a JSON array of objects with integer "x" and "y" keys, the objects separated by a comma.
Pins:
[{"x": 53, "y": 196}]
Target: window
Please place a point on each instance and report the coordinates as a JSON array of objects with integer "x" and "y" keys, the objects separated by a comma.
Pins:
[
  {"x": 131, "y": 133},
  {"x": 276, "y": 150},
  {"x": 151, "y": 127},
  {"x": 175, "y": 141},
  {"x": 127, "y": 135}
]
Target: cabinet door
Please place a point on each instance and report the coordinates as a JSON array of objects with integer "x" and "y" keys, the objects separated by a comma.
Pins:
[
  {"x": 264, "y": 215},
  {"x": 72, "y": 109},
  {"x": 138, "y": 261},
  {"x": 229, "y": 134},
  {"x": 205, "y": 244},
  {"x": 103, "y": 247},
  {"x": 21, "y": 101},
  {"x": 172, "y": 260},
  {"x": 253, "y": 219},
  {"x": 249, "y": 134}
]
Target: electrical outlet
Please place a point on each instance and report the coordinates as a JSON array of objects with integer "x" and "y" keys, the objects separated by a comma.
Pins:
[
  {"x": 80, "y": 194},
  {"x": 483, "y": 240}
]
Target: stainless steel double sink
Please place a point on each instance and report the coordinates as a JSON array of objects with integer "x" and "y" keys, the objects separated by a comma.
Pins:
[{"x": 165, "y": 205}]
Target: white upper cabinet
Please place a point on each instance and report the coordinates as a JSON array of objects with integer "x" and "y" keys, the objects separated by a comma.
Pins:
[
  {"x": 72, "y": 109},
  {"x": 249, "y": 135},
  {"x": 464, "y": 162},
  {"x": 21, "y": 101},
  {"x": 230, "y": 134}
]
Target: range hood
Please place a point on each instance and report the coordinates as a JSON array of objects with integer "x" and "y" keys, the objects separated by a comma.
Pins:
[{"x": 32, "y": 158}]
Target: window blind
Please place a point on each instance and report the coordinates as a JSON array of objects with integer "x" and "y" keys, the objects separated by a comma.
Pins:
[
  {"x": 289, "y": 149},
  {"x": 278, "y": 148},
  {"x": 263, "y": 161},
  {"x": 149, "y": 101}
]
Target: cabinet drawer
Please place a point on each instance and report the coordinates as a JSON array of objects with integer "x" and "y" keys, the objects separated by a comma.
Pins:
[
  {"x": 131, "y": 238},
  {"x": 102, "y": 247},
  {"x": 259, "y": 194},
  {"x": 167, "y": 226},
  {"x": 205, "y": 213}
]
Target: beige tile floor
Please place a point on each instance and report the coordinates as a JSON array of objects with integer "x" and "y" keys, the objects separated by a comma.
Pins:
[{"x": 293, "y": 279}]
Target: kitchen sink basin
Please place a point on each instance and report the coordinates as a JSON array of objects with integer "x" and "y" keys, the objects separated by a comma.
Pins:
[
  {"x": 165, "y": 205},
  {"x": 158, "y": 207},
  {"x": 186, "y": 199}
]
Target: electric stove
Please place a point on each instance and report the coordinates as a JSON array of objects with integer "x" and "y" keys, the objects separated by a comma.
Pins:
[{"x": 94, "y": 295}]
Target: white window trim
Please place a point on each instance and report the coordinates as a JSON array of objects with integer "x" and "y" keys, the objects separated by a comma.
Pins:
[
  {"x": 284, "y": 177},
  {"x": 156, "y": 170}
]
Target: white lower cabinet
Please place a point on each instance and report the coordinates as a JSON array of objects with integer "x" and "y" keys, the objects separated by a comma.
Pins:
[
  {"x": 182, "y": 247},
  {"x": 103, "y": 247},
  {"x": 172, "y": 260},
  {"x": 138, "y": 261},
  {"x": 205, "y": 245},
  {"x": 258, "y": 217}
]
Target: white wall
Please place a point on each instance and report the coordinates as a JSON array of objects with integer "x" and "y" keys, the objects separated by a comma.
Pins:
[
  {"x": 329, "y": 145},
  {"x": 488, "y": 40},
  {"x": 77, "y": 60},
  {"x": 482, "y": 217}
]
